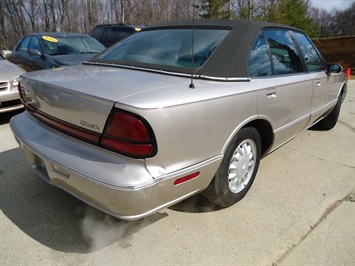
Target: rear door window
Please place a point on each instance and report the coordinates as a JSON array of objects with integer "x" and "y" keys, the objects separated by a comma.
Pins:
[{"x": 285, "y": 56}]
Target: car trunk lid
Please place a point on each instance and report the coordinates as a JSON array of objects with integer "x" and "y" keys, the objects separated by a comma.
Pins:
[{"x": 85, "y": 95}]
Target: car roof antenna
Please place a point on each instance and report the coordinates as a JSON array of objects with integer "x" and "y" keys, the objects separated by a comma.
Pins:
[{"x": 192, "y": 86}]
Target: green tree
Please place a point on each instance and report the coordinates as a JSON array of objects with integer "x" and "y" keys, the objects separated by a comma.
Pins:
[
  {"x": 292, "y": 13},
  {"x": 245, "y": 9},
  {"x": 215, "y": 9}
]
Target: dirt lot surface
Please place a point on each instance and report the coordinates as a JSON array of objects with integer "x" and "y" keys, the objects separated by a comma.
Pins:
[{"x": 339, "y": 50}]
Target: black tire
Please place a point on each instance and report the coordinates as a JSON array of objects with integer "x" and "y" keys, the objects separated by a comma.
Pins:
[
  {"x": 331, "y": 119},
  {"x": 224, "y": 190}
]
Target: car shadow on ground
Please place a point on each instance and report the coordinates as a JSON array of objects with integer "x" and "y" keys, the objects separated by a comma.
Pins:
[
  {"x": 53, "y": 217},
  {"x": 196, "y": 204},
  {"x": 316, "y": 127},
  {"x": 5, "y": 117}
]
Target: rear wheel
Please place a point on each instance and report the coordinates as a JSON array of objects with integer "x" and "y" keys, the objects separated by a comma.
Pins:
[{"x": 238, "y": 169}]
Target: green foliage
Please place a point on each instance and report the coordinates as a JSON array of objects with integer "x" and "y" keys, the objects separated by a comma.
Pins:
[
  {"x": 289, "y": 12},
  {"x": 292, "y": 13},
  {"x": 215, "y": 9}
]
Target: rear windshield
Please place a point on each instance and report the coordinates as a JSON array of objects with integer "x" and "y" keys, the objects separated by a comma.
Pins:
[{"x": 168, "y": 47}]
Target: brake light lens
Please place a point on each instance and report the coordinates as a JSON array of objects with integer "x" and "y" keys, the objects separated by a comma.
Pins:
[{"x": 129, "y": 134}]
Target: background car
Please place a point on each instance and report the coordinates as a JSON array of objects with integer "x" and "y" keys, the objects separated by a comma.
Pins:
[
  {"x": 159, "y": 116},
  {"x": 49, "y": 50},
  {"x": 9, "y": 77},
  {"x": 109, "y": 34}
]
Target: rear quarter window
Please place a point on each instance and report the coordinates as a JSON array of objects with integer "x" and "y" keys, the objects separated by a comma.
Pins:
[{"x": 259, "y": 62}]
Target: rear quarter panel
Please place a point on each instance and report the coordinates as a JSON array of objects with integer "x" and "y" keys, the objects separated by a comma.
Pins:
[{"x": 193, "y": 125}]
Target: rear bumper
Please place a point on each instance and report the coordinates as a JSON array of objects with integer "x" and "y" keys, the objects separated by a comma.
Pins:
[
  {"x": 10, "y": 106},
  {"x": 10, "y": 101},
  {"x": 117, "y": 185}
]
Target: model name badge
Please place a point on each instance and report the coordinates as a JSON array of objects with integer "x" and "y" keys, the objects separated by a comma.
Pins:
[{"x": 89, "y": 125}]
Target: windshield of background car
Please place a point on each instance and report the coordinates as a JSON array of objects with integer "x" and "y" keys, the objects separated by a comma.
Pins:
[
  {"x": 71, "y": 45},
  {"x": 167, "y": 47}
]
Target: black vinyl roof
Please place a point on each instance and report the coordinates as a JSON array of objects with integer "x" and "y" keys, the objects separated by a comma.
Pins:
[{"x": 230, "y": 58}]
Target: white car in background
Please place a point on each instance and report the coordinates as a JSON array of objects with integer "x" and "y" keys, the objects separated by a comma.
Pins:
[{"x": 9, "y": 95}]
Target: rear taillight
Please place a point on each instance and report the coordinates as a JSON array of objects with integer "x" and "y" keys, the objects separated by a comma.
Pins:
[{"x": 129, "y": 134}]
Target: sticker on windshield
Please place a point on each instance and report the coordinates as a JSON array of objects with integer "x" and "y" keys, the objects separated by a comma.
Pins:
[{"x": 50, "y": 39}]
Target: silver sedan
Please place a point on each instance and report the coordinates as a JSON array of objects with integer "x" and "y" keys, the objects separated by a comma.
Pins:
[{"x": 177, "y": 109}]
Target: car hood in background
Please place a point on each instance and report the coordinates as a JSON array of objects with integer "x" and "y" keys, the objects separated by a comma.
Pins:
[
  {"x": 73, "y": 59},
  {"x": 9, "y": 70}
]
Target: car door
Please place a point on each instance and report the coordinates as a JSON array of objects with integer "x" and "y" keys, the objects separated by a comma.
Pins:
[
  {"x": 325, "y": 86},
  {"x": 25, "y": 57},
  {"x": 20, "y": 53},
  {"x": 35, "y": 58},
  {"x": 285, "y": 93}
]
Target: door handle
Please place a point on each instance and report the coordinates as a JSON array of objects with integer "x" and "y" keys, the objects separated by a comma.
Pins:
[{"x": 271, "y": 94}]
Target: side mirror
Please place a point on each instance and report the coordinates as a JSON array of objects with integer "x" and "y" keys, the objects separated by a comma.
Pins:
[
  {"x": 6, "y": 54},
  {"x": 334, "y": 68}
]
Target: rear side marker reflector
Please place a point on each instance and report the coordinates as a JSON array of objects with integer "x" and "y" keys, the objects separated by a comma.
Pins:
[{"x": 186, "y": 178}]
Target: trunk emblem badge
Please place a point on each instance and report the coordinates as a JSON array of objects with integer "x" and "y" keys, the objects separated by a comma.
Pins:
[{"x": 89, "y": 125}]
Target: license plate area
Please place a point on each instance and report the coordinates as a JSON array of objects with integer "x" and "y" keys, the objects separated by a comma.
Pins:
[{"x": 40, "y": 168}]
